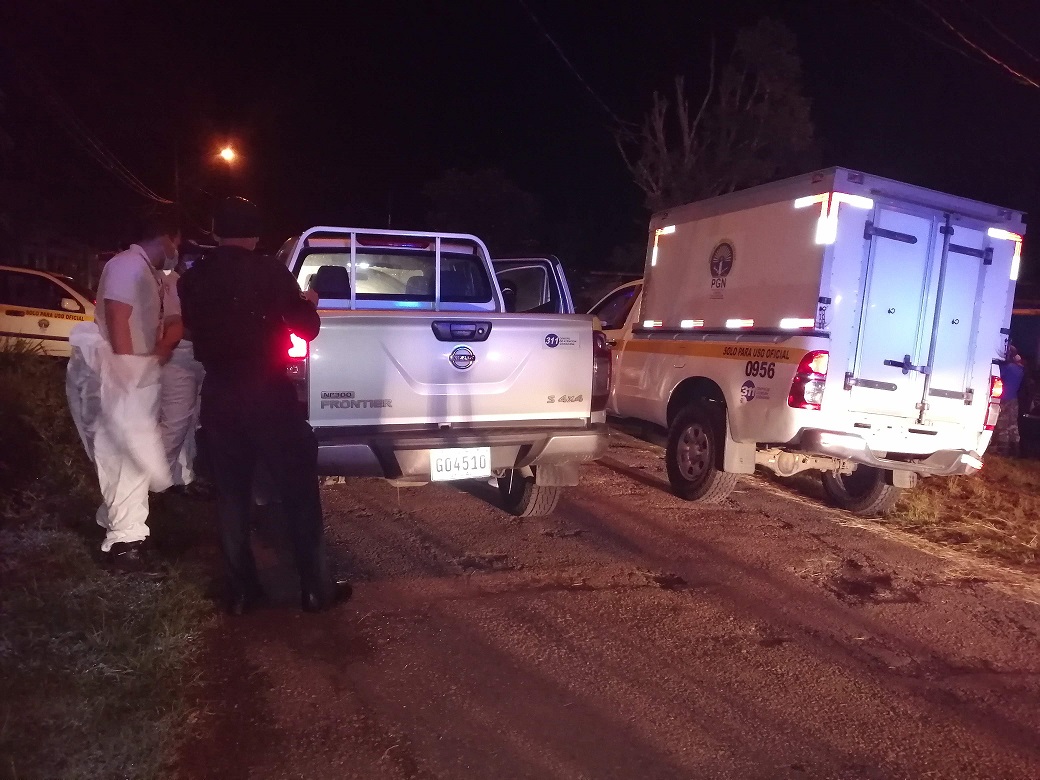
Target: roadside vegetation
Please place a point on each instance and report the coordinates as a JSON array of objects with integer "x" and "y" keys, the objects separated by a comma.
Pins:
[
  {"x": 995, "y": 513},
  {"x": 94, "y": 668}
]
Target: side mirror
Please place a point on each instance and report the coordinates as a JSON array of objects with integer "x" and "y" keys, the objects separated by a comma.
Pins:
[{"x": 69, "y": 304}]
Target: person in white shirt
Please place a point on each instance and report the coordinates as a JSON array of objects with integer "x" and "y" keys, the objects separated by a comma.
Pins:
[{"x": 139, "y": 319}]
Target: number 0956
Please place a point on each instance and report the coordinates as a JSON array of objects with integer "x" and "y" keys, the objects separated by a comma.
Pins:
[{"x": 760, "y": 368}]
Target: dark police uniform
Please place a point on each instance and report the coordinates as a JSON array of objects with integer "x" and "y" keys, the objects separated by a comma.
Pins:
[{"x": 240, "y": 307}]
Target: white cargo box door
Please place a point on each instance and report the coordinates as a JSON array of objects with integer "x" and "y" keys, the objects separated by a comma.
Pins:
[
  {"x": 886, "y": 376},
  {"x": 956, "y": 327}
]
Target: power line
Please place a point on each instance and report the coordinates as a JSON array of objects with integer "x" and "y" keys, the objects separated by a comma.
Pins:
[
  {"x": 75, "y": 129},
  {"x": 588, "y": 87},
  {"x": 901, "y": 18},
  {"x": 1021, "y": 77},
  {"x": 989, "y": 23}
]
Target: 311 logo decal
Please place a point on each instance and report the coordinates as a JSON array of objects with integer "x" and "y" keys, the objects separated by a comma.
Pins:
[{"x": 747, "y": 392}]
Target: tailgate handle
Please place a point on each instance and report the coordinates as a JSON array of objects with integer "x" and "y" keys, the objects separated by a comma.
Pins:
[
  {"x": 460, "y": 330},
  {"x": 907, "y": 366}
]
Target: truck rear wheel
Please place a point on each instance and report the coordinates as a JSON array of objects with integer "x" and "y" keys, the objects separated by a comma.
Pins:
[
  {"x": 863, "y": 492},
  {"x": 694, "y": 454},
  {"x": 523, "y": 498}
]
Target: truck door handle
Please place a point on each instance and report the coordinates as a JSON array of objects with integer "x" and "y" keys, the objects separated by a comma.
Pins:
[
  {"x": 611, "y": 343},
  {"x": 907, "y": 366},
  {"x": 14, "y": 313},
  {"x": 460, "y": 330}
]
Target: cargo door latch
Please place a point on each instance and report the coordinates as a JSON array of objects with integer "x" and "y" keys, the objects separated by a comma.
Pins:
[{"x": 907, "y": 365}]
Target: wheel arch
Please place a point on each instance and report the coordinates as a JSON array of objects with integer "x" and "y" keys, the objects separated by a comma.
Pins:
[{"x": 691, "y": 389}]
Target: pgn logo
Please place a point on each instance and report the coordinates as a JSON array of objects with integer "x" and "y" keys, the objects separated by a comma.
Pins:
[
  {"x": 747, "y": 392},
  {"x": 552, "y": 341}
]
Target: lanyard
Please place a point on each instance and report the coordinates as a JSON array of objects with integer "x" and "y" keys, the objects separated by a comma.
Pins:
[{"x": 160, "y": 288}]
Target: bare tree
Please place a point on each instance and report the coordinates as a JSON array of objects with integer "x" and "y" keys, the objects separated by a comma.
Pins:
[{"x": 751, "y": 125}]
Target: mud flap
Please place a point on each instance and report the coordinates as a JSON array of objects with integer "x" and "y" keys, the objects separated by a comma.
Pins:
[
  {"x": 902, "y": 479},
  {"x": 556, "y": 475},
  {"x": 737, "y": 457}
]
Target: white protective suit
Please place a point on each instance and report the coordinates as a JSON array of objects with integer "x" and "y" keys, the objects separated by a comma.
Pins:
[
  {"x": 179, "y": 411},
  {"x": 179, "y": 403},
  {"x": 115, "y": 400}
]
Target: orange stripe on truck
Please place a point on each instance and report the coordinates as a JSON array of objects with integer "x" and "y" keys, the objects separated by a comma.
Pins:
[{"x": 718, "y": 349}]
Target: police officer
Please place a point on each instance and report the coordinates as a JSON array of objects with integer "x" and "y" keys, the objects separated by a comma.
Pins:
[{"x": 240, "y": 307}]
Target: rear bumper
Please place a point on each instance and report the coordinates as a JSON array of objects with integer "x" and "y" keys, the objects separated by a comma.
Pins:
[
  {"x": 396, "y": 454},
  {"x": 847, "y": 446}
]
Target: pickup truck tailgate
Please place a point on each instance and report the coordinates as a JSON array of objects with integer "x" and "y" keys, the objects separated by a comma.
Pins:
[{"x": 379, "y": 368}]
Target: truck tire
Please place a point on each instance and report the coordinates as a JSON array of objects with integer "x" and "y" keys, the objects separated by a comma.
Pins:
[
  {"x": 864, "y": 492},
  {"x": 694, "y": 454},
  {"x": 523, "y": 498}
]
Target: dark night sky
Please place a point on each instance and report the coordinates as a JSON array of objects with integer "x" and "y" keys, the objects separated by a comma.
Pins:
[{"x": 341, "y": 109}]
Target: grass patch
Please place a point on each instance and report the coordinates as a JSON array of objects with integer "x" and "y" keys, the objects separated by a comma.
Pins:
[
  {"x": 995, "y": 513},
  {"x": 95, "y": 669}
]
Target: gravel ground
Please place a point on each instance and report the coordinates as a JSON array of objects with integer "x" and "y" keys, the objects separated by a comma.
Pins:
[{"x": 632, "y": 635}]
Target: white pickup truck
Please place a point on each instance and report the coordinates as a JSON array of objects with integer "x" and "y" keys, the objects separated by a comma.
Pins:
[
  {"x": 420, "y": 373},
  {"x": 834, "y": 321}
]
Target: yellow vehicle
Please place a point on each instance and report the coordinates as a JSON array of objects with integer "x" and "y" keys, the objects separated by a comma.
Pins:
[{"x": 42, "y": 308}]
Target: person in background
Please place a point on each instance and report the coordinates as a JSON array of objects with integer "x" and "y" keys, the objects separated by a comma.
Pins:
[
  {"x": 181, "y": 384},
  {"x": 139, "y": 324},
  {"x": 1005, "y": 434},
  {"x": 240, "y": 308}
]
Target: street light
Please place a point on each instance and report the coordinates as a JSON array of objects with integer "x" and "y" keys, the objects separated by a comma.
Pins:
[{"x": 228, "y": 155}]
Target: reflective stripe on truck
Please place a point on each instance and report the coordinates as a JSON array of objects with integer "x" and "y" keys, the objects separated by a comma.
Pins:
[{"x": 718, "y": 349}]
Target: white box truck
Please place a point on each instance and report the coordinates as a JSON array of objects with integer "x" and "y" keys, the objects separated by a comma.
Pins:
[{"x": 835, "y": 321}]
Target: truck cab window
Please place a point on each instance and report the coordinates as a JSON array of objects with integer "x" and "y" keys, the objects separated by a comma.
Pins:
[
  {"x": 34, "y": 292},
  {"x": 396, "y": 275},
  {"x": 613, "y": 311}
]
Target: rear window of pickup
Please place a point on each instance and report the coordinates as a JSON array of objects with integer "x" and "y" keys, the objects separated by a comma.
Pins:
[{"x": 395, "y": 275}]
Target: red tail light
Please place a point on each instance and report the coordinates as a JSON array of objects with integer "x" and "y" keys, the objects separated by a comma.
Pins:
[
  {"x": 809, "y": 381},
  {"x": 996, "y": 392},
  {"x": 298, "y": 350},
  {"x": 601, "y": 368},
  {"x": 996, "y": 388},
  {"x": 296, "y": 365}
]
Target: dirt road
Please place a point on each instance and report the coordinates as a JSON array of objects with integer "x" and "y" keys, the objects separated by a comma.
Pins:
[{"x": 633, "y": 635}]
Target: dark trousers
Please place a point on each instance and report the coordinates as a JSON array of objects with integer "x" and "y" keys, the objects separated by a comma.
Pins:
[{"x": 246, "y": 421}]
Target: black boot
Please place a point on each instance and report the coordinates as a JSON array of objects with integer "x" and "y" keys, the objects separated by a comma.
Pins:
[
  {"x": 314, "y": 601},
  {"x": 130, "y": 558}
]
